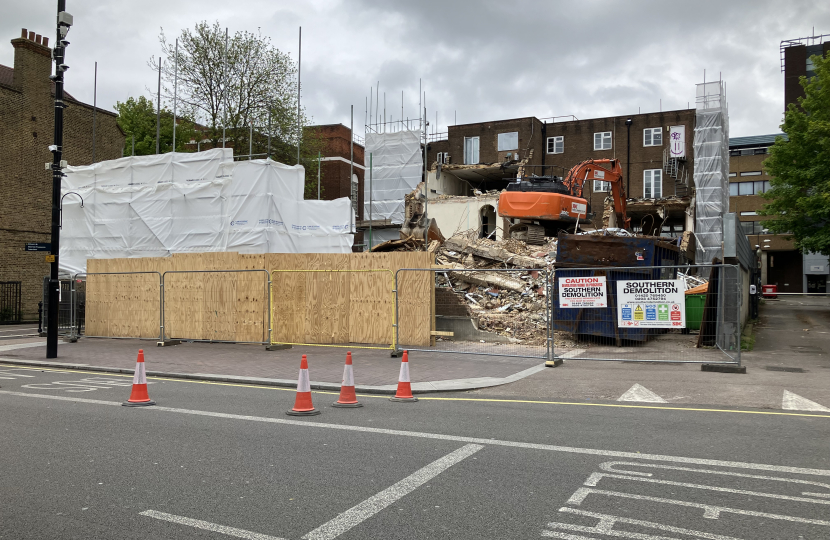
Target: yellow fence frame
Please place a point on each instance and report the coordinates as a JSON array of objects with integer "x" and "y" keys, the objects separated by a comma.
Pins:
[{"x": 392, "y": 327}]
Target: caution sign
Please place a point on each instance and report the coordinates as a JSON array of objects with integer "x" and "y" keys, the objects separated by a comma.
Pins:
[
  {"x": 582, "y": 292},
  {"x": 651, "y": 304}
]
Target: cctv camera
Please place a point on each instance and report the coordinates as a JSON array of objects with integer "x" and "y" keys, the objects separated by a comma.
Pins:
[
  {"x": 62, "y": 67},
  {"x": 53, "y": 148},
  {"x": 64, "y": 43}
]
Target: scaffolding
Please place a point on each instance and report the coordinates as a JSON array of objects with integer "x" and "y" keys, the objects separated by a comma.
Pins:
[{"x": 711, "y": 171}]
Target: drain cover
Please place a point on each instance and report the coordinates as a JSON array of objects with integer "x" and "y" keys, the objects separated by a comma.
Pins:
[{"x": 787, "y": 369}]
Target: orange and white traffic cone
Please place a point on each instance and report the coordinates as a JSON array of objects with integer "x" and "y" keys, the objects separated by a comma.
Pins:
[
  {"x": 303, "y": 405},
  {"x": 139, "y": 396},
  {"x": 348, "y": 397},
  {"x": 404, "y": 392}
]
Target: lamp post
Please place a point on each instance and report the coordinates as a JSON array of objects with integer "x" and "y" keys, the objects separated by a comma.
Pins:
[{"x": 64, "y": 22}]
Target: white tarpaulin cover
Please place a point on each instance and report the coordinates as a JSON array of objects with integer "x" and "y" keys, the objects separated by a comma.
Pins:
[
  {"x": 153, "y": 206},
  {"x": 397, "y": 165}
]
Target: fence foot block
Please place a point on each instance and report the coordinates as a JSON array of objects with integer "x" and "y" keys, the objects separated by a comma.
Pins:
[
  {"x": 70, "y": 340},
  {"x": 278, "y": 347},
  {"x": 723, "y": 368},
  {"x": 556, "y": 362},
  {"x": 396, "y": 354},
  {"x": 168, "y": 343}
]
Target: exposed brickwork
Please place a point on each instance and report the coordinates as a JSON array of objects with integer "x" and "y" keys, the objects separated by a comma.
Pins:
[
  {"x": 579, "y": 146},
  {"x": 334, "y": 168},
  {"x": 26, "y": 131},
  {"x": 449, "y": 303}
]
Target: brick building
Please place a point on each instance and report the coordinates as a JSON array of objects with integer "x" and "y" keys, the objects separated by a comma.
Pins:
[
  {"x": 26, "y": 131},
  {"x": 796, "y": 63},
  {"x": 558, "y": 146}
]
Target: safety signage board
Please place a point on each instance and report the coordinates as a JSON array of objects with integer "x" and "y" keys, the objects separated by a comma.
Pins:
[
  {"x": 651, "y": 303},
  {"x": 582, "y": 292}
]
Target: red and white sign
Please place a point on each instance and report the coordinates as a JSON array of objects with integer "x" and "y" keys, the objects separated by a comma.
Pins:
[
  {"x": 582, "y": 292},
  {"x": 578, "y": 208}
]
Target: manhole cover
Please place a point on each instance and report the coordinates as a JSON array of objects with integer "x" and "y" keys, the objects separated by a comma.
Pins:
[{"x": 787, "y": 369}]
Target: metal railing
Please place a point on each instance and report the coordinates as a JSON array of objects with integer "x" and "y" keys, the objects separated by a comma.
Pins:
[
  {"x": 486, "y": 312},
  {"x": 10, "y": 301}
]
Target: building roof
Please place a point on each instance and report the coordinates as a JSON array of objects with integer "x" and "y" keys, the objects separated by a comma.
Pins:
[
  {"x": 7, "y": 79},
  {"x": 754, "y": 140}
]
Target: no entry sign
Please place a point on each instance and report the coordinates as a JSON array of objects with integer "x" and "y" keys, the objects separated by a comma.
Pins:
[{"x": 582, "y": 292}]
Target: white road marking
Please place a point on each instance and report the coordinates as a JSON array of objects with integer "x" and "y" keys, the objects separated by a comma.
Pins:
[
  {"x": 794, "y": 402},
  {"x": 641, "y": 393},
  {"x": 709, "y": 511},
  {"x": 594, "y": 479},
  {"x": 609, "y": 466},
  {"x": 7, "y": 374},
  {"x": 374, "y": 504},
  {"x": 441, "y": 436},
  {"x": 90, "y": 384},
  {"x": 606, "y": 527},
  {"x": 207, "y": 526}
]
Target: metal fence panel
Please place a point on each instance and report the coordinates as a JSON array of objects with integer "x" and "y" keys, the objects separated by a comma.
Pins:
[
  {"x": 333, "y": 308},
  {"x": 218, "y": 306},
  {"x": 490, "y": 312},
  {"x": 711, "y": 333},
  {"x": 123, "y": 305}
]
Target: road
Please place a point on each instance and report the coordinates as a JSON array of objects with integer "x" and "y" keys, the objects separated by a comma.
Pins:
[{"x": 219, "y": 461}]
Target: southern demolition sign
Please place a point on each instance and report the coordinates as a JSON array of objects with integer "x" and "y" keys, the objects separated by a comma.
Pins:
[
  {"x": 582, "y": 292},
  {"x": 651, "y": 304}
]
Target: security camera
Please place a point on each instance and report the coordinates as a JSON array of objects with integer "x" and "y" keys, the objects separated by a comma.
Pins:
[
  {"x": 53, "y": 148},
  {"x": 62, "y": 67},
  {"x": 64, "y": 43},
  {"x": 64, "y": 30}
]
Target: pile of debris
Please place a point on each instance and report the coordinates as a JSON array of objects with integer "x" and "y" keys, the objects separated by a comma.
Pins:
[{"x": 500, "y": 282}]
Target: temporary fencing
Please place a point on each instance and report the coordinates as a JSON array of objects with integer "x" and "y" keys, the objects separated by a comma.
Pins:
[
  {"x": 492, "y": 312},
  {"x": 216, "y": 305},
  {"x": 333, "y": 307},
  {"x": 642, "y": 314}
]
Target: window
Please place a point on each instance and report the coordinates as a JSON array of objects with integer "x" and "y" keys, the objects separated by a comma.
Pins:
[
  {"x": 442, "y": 157},
  {"x": 470, "y": 150},
  {"x": 653, "y": 137},
  {"x": 599, "y": 186},
  {"x": 767, "y": 186},
  {"x": 653, "y": 184},
  {"x": 750, "y": 213},
  {"x": 508, "y": 141},
  {"x": 746, "y": 188},
  {"x": 556, "y": 145},
  {"x": 733, "y": 189},
  {"x": 602, "y": 140},
  {"x": 733, "y": 174},
  {"x": 751, "y": 173}
]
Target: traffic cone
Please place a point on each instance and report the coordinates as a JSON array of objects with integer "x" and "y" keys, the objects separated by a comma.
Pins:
[
  {"x": 348, "y": 398},
  {"x": 404, "y": 392},
  {"x": 302, "y": 405},
  {"x": 139, "y": 396}
]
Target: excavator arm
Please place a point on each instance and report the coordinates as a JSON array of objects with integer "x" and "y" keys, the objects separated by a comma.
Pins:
[{"x": 591, "y": 169}]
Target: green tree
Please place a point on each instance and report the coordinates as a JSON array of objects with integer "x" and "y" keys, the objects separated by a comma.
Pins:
[
  {"x": 137, "y": 117},
  {"x": 800, "y": 167},
  {"x": 236, "y": 83}
]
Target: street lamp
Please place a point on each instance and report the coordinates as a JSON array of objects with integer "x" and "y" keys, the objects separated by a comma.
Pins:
[{"x": 65, "y": 20}]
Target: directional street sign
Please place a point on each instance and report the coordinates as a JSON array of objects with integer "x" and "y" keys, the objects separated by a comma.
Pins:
[{"x": 37, "y": 246}]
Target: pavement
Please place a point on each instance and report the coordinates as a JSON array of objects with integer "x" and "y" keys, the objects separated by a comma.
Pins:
[
  {"x": 220, "y": 460},
  {"x": 789, "y": 368}
]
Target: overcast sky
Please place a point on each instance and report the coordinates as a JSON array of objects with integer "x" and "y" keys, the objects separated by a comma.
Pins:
[{"x": 479, "y": 60}]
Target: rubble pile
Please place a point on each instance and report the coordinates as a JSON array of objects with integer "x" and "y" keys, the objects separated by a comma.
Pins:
[{"x": 511, "y": 301}]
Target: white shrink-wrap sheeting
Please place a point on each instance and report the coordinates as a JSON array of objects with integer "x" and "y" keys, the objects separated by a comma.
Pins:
[
  {"x": 711, "y": 176},
  {"x": 153, "y": 206},
  {"x": 397, "y": 165}
]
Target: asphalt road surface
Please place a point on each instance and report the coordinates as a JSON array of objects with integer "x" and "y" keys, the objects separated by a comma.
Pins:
[{"x": 220, "y": 461}]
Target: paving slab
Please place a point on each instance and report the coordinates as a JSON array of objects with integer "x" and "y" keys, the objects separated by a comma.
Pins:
[{"x": 375, "y": 370}]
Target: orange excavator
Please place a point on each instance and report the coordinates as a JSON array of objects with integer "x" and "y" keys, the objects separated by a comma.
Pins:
[{"x": 544, "y": 205}]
